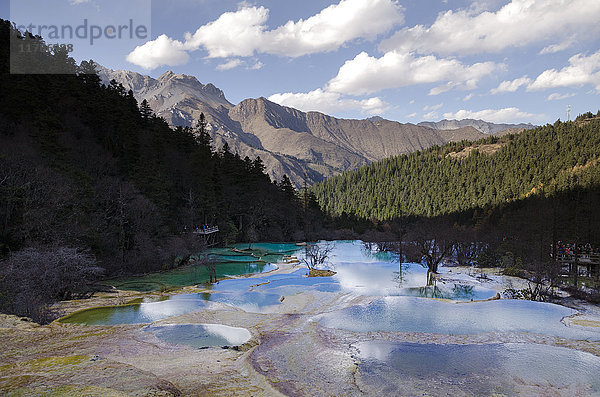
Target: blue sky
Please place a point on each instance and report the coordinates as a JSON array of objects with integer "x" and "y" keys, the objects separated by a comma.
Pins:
[{"x": 405, "y": 60}]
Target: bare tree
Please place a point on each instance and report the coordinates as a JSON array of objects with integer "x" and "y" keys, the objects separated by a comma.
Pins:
[
  {"x": 315, "y": 255},
  {"x": 430, "y": 241}
]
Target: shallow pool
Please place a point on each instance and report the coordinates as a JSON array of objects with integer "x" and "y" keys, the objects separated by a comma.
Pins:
[
  {"x": 398, "y": 305},
  {"x": 142, "y": 313},
  {"x": 201, "y": 335},
  {"x": 409, "y": 314},
  {"x": 188, "y": 275},
  {"x": 396, "y": 368},
  {"x": 364, "y": 271}
]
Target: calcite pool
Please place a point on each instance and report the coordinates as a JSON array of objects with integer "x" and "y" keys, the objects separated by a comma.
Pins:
[
  {"x": 200, "y": 335},
  {"x": 372, "y": 292},
  {"x": 399, "y": 368}
]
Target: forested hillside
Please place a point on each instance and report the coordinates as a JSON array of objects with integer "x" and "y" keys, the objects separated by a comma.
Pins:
[
  {"x": 462, "y": 176},
  {"x": 507, "y": 202},
  {"x": 96, "y": 182}
]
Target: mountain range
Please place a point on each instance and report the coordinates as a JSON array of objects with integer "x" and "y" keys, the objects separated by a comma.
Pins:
[
  {"x": 479, "y": 125},
  {"x": 302, "y": 145}
]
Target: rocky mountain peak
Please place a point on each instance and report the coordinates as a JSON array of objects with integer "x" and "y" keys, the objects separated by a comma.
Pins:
[
  {"x": 288, "y": 140},
  {"x": 480, "y": 125}
]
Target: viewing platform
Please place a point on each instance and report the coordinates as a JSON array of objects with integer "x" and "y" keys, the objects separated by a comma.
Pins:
[
  {"x": 588, "y": 261},
  {"x": 206, "y": 230},
  {"x": 583, "y": 259}
]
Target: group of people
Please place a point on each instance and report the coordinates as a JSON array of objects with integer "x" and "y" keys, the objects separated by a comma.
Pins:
[{"x": 572, "y": 249}]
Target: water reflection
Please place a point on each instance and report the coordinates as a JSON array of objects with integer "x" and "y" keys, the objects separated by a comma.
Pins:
[
  {"x": 408, "y": 314},
  {"x": 363, "y": 270},
  {"x": 405, "y": 368},
  {"x": 142, "y": 313},
  {"x": 360, "y": 270},
  {"x": 201, "y": 335},
  {"x": 188, "y": 275},
  {"x": 249, "y": 301}
]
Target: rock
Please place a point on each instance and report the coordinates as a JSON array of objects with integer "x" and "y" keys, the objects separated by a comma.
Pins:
[{"x": 320, "y": 273}]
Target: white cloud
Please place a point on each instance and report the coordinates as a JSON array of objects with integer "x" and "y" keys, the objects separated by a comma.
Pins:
[
  {"x": 237, "y": 33},
  {"x": 431, "y": 116},
  {"x": 244, "y": 32},
  {"x": 558, "y": 97},
  {"x": 76, "y": 2},
  {"x": 161, "y": 51},
  {"x": 258, "y": 65},
  {"x": 329, "y": 102},
  {"x": 468, "y": 97},
  {"x": 582, "y": 70},
  {"x": 553, "y": 48},
  {"x": 433, "y": 107},
  {"x": 505, "y": 115},
  {"x": 412, "y": 115},
  {"x": 440, "y": 89},
  {"x": 365, "y": 74},
  {"x": 231, "y": 64},
  {"x": 332, "y": 27},
  {"x": 511, "y": 86},
  {"x": 518, "y": 23}
]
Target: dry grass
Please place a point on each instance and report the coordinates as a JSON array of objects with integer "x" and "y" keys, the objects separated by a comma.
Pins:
[{"x": 487, "y": 149}]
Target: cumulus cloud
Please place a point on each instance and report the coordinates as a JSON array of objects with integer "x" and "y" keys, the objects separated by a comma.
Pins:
[
  {"x": 558, "y": 97},
  {"x": 433, "y": 107},
  {"x": 431, "y": 116},
  {"x": 553, "y": 48},
  {"x": 440, "y": 89},
  {"x": 159, "y": 52},
  {"x": 328, "y": 102},
  {"x": 518, "y": 23},
  {"x": 506, "y": 115},
  {"x": 244, "y": 32},
  {"x": 231, "y": 64},
  {"x": 582, "y": 70},
  {"x": 468, "y": 97},
  {"x": 365, "y": 74},
  {"x": 237, "y": 33},
  {"x": 511, "y": 86}
]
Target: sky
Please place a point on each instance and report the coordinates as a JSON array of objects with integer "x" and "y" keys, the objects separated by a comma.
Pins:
[{"x": 404, "y": 60}]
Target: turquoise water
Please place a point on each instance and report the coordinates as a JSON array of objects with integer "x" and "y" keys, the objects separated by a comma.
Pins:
[
  {"x": 367, "y": 272},
  {"x": 395, "y": 368},
  {"x": 233, "y": 261},
  {"x": 398, "y": 306},
  {"x": 143, "y": 313},
  {"x": 409, "y": 314},
  {"x": 189, "y": 275},
  {"x": 201, "y": 335},
  {"x": 359, "y": 270}
]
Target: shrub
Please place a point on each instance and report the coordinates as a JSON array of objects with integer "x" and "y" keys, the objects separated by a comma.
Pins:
[{"x": 32, "y": 278}]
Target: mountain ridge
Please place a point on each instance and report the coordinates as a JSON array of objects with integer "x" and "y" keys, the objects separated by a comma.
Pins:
[
  {"x": 480, "y": 125},
  {"x": 307, "y": 146}
]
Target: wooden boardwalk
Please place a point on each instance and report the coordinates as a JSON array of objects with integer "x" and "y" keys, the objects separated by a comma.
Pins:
[
  {"x": 207, "y": 234},
  {"x": 588, "y": 261},
  {"x": 207, "y": 230}
]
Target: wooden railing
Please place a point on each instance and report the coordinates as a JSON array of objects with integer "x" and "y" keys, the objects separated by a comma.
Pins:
[{"x": 584, "y": 259}]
